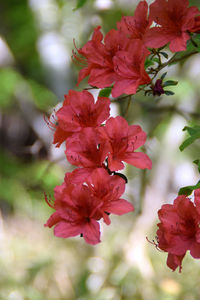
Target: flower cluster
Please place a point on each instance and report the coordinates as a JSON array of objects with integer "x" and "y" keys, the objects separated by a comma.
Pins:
[
  {"x": 99, "y": 145},
  {"x": 118, "y": 59},
  {"x": 179, "y": 229},
  {"x": 93, "y": 190}
]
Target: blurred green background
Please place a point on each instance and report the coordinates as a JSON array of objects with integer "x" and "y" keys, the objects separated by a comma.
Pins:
[{"x": 36, "y": 41}]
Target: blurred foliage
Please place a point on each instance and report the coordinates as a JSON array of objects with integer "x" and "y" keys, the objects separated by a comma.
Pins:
[{"x": 34, "y": 265}]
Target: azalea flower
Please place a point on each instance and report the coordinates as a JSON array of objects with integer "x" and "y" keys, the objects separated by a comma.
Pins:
[
  {"x": 88, "y": 148},
  {"x": 76, "y": 213},
  {"x": 129, "y": 69},
  {"x": 174, "y": 20},
  {"x": 79, "y": 110},
  {"x": 124, "y": 140},
  {"x": 179, "y": 229},
  {"x": 136, "y": 26},
  {"x": 108, "y": 189},
  {"x": 98, "y": 62}
]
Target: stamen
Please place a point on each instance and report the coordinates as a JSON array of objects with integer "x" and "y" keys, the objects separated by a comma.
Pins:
[
  {"x": 52, "y": 124},
  {"x": 154, "y": 243},
  {"x": 49, "y": 201}
]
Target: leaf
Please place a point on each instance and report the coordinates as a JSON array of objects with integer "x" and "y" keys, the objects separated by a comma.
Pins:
[
  {"x": 197, "y": 162},
  {"x": 169, "y": 93},
  {"x": 194, "y": 135},
  {"x": 187, "y": 190},
  {"x": 105, "y": 92},
  {"x": 164, "y": 54},
  {"x": 79, "y": 4},
  {"x": 163, "y": 75},
  {"x": 156, "y": 59},
  {"x": 148, "y": 63},
  {"x": 191, "y": 130},
  {"x": 169, "y": 82}
]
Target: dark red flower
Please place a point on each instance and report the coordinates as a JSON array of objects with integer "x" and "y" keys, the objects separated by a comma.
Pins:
[
  {"x": 76, "y": 213},
  {"x": 124, "y": 140},
  {"x": 79, "y": 110},
  {"x": 108, "y": 189},
  {"x": 87, "y": 148},
  {"x": 129, "y": 69},
  {"x": 174, "y": 19},
  {"x": 179, "y": 229},
  {"x": 158, "y": 88},
  {"x": 135, "y": 26}
]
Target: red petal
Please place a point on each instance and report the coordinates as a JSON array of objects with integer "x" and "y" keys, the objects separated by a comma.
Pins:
[
  {"x": 54, "y": 219},
  {"x": 91, "y": 232},
  {"x": 195, "y": 250},
  {"x": 138, "y": 159},
  {"x": 65, "y": 230},
  {"x": 174, "y": 261},
  {"x": 119, "y": 207}
]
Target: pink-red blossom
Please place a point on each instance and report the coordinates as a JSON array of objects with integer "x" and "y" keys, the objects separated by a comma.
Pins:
[
  {"x": 98, "y": 63},
  {"x": 129, "y": 69},
  {"x": 136, "y": 26},
  {"x": 124, "y": 140},
  {"x": 88, "y": 148},
  {"x": 108, "y": 189},
  {"x": 174, "y": 21},
  {"x": 179, "y": 229},
  {"x": 79, "y": 110},
  {"x": 76, "y": 213}
]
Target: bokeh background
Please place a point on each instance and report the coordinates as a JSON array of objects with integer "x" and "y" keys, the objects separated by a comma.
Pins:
[{"x": 36, "y": 70}]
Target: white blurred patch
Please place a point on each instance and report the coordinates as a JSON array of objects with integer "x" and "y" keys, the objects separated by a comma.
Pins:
[
  {"x": 103, "y": 4},
  {"x": 6, "y": 57},
  {"x": 53, "y": 52},
  {"x": 96, "y": 264},
  {"x": 95, "y": 282},
  {"x": 15, "y": 295}
]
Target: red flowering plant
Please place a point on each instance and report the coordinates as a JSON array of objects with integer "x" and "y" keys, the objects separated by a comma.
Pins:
[
  {"x": 179, "y": 229},
  {"x": 126, "y": 61}
]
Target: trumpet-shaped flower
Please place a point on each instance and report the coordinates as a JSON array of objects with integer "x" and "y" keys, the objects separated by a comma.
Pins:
[
  {"x": 124, "y": 140},
  {"x": 179, "y": 229}
]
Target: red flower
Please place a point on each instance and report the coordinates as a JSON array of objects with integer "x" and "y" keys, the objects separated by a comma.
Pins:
[
  {"x": 129, "y": 69},
  {"x": 124, "y": 140},
  {"x": 87, "y": 148},
  {"x": 76, "y": 213},
  {"x": 179, "y": 229},
  {"x": 174, "y": 19},
  {"x": 108, "y": 189},
  {"x": 79, "y": 110},
  {"x": 135, "y": 26},
  {"x": 99, "y": 57}
]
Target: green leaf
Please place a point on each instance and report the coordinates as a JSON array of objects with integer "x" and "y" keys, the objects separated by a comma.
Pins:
[
  {"x": 170, "y": 82},
  {"x": 197, "y": 162},
  {"x": 156, "y": 59},
  {"x": 194, "y": 135},
  {"x": 169, "y": 93},
  {"x": 163, "y": 75},
  {"x": 187, "y": 190},
  {"x": 105, "y": 92},
  {"x": 164, "y": 54},
  {"x": 191, "y": 130},
  {"x": 79, "y": 4},
  {"x": 148, "y": 63}
]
